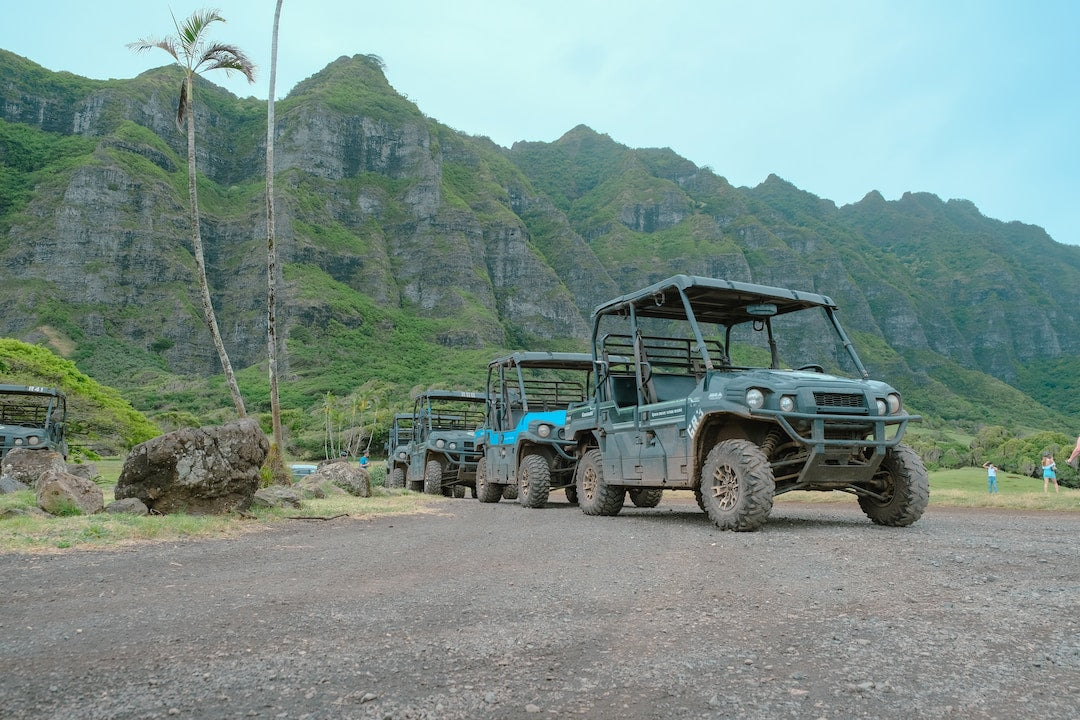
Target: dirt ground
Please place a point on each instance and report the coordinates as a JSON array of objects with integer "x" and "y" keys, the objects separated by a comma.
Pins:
[{"x": 496, "y": 611}]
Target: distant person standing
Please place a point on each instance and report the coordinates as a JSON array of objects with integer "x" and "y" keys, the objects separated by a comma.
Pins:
[
  {"x": 1049, "y": 473},
  {"x": 991, "y": 477},
  {"x": 364, "y": 461}
]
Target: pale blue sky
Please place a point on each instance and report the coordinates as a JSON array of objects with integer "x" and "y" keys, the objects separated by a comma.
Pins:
[{"x": 961, "y": 98}]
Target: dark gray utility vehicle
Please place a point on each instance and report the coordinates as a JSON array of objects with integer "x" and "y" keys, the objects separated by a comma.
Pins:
[
  {"x": 525, "y": 451},
  {"x": 32, "y": 417},
  {"x": 397, "y": 450},
  {"x": 442, "y": 452},
  {"x": 738, "y": 392}
]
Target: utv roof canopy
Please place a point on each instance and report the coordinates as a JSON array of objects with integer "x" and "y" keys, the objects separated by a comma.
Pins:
[{"x": 726, "y": 302}]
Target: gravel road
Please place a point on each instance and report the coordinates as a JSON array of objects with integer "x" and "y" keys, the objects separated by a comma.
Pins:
[{"x": 495, "y": 611}]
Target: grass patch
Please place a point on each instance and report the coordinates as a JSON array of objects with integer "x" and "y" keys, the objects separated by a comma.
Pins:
[
  {"x": 30, "y": 534},
  {"x": 383, "y": 502},
  {"x": 37, "y": 534}
]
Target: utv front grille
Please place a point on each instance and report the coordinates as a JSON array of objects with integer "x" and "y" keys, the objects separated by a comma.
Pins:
[{"x": 839, "y": 401}]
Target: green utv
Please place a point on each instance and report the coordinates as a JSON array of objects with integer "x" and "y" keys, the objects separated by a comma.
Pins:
[
  {"x": 692, "y": 393},
  {"x": 32, "y": 418},
  {"x": 524, "y": 452},
  {"x": 442, "y": 451},
  {"x": 397, "y": 450}
]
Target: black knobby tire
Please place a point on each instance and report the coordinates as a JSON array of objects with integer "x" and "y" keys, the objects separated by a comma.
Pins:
[
  {"x": 645, "y": 497},
  {"x": 907, "y": 489},
  {"x": 433, "y": 477},
  {"x": 737, "y": 486},
  {"x": 510, "y": 491},
  {"x": 595, "y": 496},
  {"x": 396, "y": 478},
  {"x": 486, "y": 492},
  {"x": 571, "y": 494},
  {"x": 534, "y": 481}
]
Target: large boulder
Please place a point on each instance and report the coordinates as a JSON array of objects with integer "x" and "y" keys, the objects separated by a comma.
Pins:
[
  {"x": 207, "y": 470},
  {"x": 61, "y": 493},
  {"x": 276, "y": 496},
  {"x": 353, "y": 479},
  {"x": 318, "y": 487},
  {"x": 22, "y": 467}
]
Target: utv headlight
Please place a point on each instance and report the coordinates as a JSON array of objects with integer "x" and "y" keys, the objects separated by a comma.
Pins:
[
  {"x": 401, "y": 455},
  {"x": 543, "y": 431},
  {"x": 787, "y": 403},
  {"x": 895, "y": 406},
  {"x": 440, "y": 443},
  {"x": 882, "y": 408},
  {"x": 755, "y": 399},
  {"x": 453, "y": 446}
]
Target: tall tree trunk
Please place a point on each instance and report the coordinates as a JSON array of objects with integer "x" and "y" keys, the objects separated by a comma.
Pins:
[
  {"x": 200, "y": 262},
  {"x": 271, "y": 248}
]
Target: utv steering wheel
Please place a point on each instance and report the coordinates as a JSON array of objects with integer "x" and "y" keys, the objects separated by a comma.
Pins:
[{"x": 812, "y": 366}]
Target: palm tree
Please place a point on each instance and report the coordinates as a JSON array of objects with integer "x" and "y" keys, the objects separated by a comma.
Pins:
[
  {"x": 271, "y": 263},
  {"x": 193, "y": 53}
]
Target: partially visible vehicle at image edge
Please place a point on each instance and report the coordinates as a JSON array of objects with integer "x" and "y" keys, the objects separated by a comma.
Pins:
[
  {"x": 32, "y": 417},
  {"x": 674, "y": 410},
  {"x": 397, "y": 450}
]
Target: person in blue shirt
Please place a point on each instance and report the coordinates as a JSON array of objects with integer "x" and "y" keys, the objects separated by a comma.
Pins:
[
  {"x": 364, "y": 461},
  {"x": 1049, "y": 469},
  {"x": 991, "y": 477}
]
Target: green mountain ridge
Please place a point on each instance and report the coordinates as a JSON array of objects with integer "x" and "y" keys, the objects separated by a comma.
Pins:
[{"x": 412, "y": 253}]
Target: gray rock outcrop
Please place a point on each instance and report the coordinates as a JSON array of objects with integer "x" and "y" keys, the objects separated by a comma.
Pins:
[
  {"x": 207, "y": 470},
  {"x": 129, "y": 506},
  {"x": 8, "y": 485},
  {"x": 61, "y": 493},
  {"x": 21, "y": 468},
  {"x": 345, "y": 475},
  {"x": 276, "y": 496},
  {"x": 318, "y": 486}
]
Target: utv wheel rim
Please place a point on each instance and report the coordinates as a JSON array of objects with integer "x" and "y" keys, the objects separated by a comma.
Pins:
[
  {"x": 588, "y": 483},
  {"x": 888, "y": 489},
  {"x": 725, "y": 487}
]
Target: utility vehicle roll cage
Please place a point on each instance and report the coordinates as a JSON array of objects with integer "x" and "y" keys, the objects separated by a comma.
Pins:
[{"x": 695, "y": 300}]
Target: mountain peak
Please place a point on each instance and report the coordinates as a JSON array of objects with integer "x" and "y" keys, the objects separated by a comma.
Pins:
[
  {"x": 368, "y": 70},
  {"x": 356, "y": 85}
]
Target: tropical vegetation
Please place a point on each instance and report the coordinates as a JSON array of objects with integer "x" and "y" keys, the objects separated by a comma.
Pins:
[{"x": 193, "y": 51}]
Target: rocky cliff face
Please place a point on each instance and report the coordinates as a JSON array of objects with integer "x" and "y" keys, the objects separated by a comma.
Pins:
[
  {"x": 110, "y": 238},
  {"x": 381, "y": 210}
]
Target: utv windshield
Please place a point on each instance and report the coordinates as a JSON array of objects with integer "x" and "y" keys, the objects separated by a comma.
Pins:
[{"x": 726, "y": 324}]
